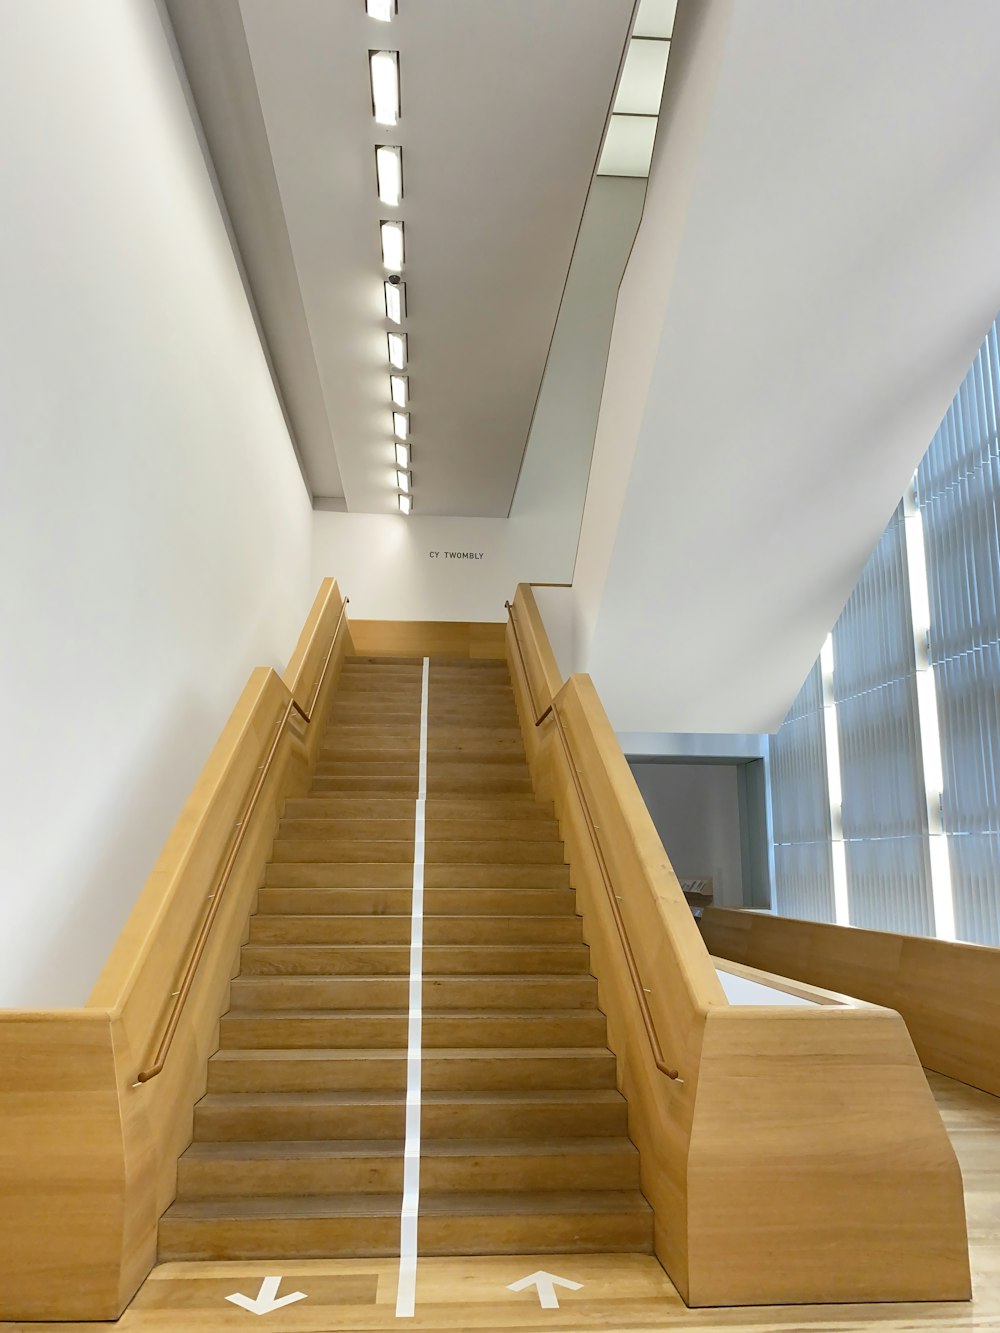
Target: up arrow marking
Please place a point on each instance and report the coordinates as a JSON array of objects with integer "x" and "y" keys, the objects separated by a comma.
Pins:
[
  {"x": 267, "y": 1298},
  {"x": 546, "y": 1284}
]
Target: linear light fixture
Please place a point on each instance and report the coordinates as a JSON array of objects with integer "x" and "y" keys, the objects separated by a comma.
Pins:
[
  {"x": 389, "y": 172},
  {"x": 401, "y": 425},
  {"x": 405, "y": 503},
  {"x": 392, "y": 246},
  {"x": 384, "y": 67},
  {"x": 383, "y": 10},
  {"x": 403, "y": 480},
  {"x": 395, "y": 301},
  {"x": 397, "y": 350},
  {"x": 402, "y": 455},
  {"x": 399, "y": 387}
]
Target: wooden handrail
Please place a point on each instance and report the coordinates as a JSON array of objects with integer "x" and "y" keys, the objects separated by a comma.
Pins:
[
  {"x": 180, "y": 996},
  {"x": 630, "y": 961}
]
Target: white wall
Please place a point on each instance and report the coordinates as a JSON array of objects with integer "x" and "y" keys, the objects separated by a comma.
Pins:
[
  {"x": 154, "y": 528},
  {"x": 695, "y": 808},
  {"x": 396, "y": 568}
]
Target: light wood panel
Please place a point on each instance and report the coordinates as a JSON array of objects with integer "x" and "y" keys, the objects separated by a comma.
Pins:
[
  {"x": 948, "y": 994},
  {"x": 98, "y": 1153},
  {"x": 617, "y": 1291},
  {"x": 428, "y": 638},
  {"x": 737, "y": 1159}
]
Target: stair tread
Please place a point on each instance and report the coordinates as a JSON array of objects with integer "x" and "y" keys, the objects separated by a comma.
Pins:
[
  {"x": 510, "y": 1014},
  {"x": 492, "y": 948},
  {"x": 256, "y": 1150},
  {"x": 394, "y": 1097},
  {"x": 369, "y": 1205},
  {"x": 347, "y": 1053}
]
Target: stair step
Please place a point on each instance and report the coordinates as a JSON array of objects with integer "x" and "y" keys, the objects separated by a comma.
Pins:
[
  {"x": 474, "y": 1069},
  {"x": 450, "y": 1113},
  {"x": 321, "y": 851},
  {"x": 364, "y": 785},
  {"x": 437, "y": 830},
  {"x": 388, "y": 875},
  {"x": 368, "y": 960},
  {"x": 312, "y": 1029},
  {"x": 221, "y": 1171},
  {"x": 355, "y": 1225},
  {"x": 270, "y": 928},
  {"x": 368, "y": 993},
  {"x": 513, "y": 807},
  {"x": 375, "y": 901}
]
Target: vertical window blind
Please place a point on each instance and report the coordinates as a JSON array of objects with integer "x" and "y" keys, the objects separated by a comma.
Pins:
[
  {"x": 884, "y": 803},
  {"x": 958, "y": 491},
  {"x": 800, "y": 808}
]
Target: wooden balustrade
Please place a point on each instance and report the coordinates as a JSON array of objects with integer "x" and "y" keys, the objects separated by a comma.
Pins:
[
  {"x": 88, "y": 1154},
  {"x": 947, "y": 993},
  {"x": 802, "y": 1158}
]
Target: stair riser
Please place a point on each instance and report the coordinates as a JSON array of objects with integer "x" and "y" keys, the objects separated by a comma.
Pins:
[
  {"x": 280, "y": 1176},
  {"x": 457, "y": 807},
  {"x": 363, "y": 785},
  {"x": 356, "y": 852},
  {"x": 353, "y": 1237},
  {"x": 373, "y": 993},
  {"x": 287, "y": 960},
  {"x": 253, "y": 1238},
  {"x": 345, "y": 930},
  {"x": 437, "y": 902},
  {"x": 388, "y": 875},
  {"x": 533, "y": 1233},
  {"x": 437, "y": 830},
  {"x": 296, "y": 1123},
  {"x": 582, "y": 1027},
  {"x": 471, "y": 1074}
]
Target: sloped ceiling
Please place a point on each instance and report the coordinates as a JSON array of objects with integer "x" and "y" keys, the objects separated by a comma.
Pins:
[{"x": 816, "y": 266}]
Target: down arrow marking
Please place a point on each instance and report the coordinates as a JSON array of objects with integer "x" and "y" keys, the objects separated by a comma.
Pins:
[{"x": 267, "y": 1298}]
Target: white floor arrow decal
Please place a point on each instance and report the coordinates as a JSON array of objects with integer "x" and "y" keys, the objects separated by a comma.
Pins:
[
  {"x": 267, "y": 1298},
  {"x": 546, "y": 1284}
]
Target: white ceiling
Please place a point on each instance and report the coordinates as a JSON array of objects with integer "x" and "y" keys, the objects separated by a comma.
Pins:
[{"x": 503, "y": 111}]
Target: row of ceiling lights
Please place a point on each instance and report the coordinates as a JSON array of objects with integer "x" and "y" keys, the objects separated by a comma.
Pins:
[{"x": 384, "y": 70}]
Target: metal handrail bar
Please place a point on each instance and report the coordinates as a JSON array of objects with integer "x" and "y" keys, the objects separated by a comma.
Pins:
[
  {"x": 630, "y": 961},
  {"x": 180, "y": 996}
]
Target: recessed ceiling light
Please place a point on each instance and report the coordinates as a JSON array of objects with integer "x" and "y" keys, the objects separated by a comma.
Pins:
[
  {"x": 392, "y": 246},
  {"x": 397, "y": 350},
  {"x": 399, "y": 387},
  {"x": 640, "y": 89},
  {"x": 401, "y": 424},
  {"x": 380, "y": 9},
  {"x": 385, "y": 86},
  {"x": 402, "y": 455},
  {"x": 403, "y": 480},
  {"x": 405, "y": 503},
  {"x": 395, "y": 301},
  {"x": 389, "y": 170}
]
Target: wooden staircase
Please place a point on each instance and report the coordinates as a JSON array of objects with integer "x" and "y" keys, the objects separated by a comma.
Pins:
[{"x": 298, "y": 1142}]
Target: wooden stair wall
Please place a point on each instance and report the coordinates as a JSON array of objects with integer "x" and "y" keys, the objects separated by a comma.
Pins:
[
  {"x": 298, "y": 1143},
  {"x": 800, "y": 1158}
]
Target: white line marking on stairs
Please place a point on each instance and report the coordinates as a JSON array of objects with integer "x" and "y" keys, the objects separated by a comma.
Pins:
[{"x": 406, "y": 1291}]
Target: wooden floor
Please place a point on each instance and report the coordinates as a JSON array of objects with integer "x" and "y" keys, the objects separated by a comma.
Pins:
[{"x": 617, "y": 1292}]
